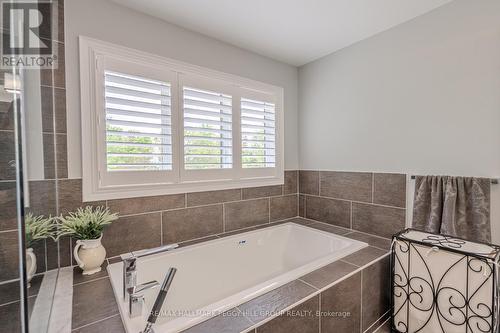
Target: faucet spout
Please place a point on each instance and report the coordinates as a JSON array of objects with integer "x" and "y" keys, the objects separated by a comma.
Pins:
[{"x": 130, "y": 264}]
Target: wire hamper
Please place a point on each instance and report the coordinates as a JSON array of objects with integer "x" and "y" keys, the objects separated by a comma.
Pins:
[{"x": 443, "y": 284}]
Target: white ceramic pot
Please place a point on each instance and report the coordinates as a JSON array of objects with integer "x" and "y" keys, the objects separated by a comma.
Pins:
[
  {"x": 89, "y": 255},
  {"x": 30, "y": 265}
]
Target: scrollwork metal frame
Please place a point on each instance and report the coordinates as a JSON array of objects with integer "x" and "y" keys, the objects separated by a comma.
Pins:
[{"x": 422, "y": 293}]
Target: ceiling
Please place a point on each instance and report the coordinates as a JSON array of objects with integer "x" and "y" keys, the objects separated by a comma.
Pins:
[{"x": 292, "y": 31}]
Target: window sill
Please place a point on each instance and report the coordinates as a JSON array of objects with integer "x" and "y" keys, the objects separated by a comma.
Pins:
[{"x": 145, "y": 190}]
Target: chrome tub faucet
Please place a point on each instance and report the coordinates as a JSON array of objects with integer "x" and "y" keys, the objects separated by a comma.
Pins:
[{"x": 130, "y": 261}]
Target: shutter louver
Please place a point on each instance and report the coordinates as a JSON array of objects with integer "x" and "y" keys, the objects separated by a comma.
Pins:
[
  {"x": 207, "y": 129},
  {"x": 138, "y": 123},
  {"x": 258, "y": 134}
]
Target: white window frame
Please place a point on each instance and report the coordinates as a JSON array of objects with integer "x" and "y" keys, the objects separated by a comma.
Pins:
[{"x": 98, "y": 184}]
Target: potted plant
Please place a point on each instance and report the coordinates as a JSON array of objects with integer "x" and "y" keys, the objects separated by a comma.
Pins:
[
  {"x": 36, "y": 228},
  {"x": 87, "y": 225}
]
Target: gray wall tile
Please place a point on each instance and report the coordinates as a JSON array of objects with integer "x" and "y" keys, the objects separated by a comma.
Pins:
[
  {"x": 231, "y": 321},
  {"x": 78, "y": 277},
  {"x": 49, "y": 157},
  {"x": 112, "y": 325},
  {"x": 52, "y": 254},
  {"x": 302, "y": 205},
  {"x": 364, "y": 256},
  {"x": 93, "y": 301},
  {"x": 212, "y": 197},
  {"x": 381, "y": 243},
  {"x": 61, "y": 156},
  {"x": 59, "y": 72},
  {"x": 10, "y": 292},
  {"x": 344, "y": 297},
  {"x": 328, "y": 274},
  {"x": 42, "y": 197},
  {"x": 376, "y": 291},
  {"x": 290, "y": 322},
  {"x": 132, "y": 233},
  {"x": 47, "y": 109},
  {"x": 8, "y": 213},
  {"x": 283, "y": 207},
  {"x": 7, "y": 156},
  {"x": 330, "y": 211},
  {"x": 146, "y": 204},
  {"x": 329, "y": 228},
  {"x": 60, "y": 109},
  {"x": 40, "y": 251},
  {"x": 246, "y": 214},
  {"x": 9, "y": 318},
  {"x": 389, "y": 189},
  {"x": 9, "y": 256},
  {"x": 46, "y": 76},
  {"x": 291, "y": 182},
  {"x": 309, "y": 182},
  {"x": 70, "y": 196},
  {"x": 276, "y": 300},
  {"x": 378, "y": 220},
  {"x": 355, "y": 186},
  {"x": 185, "y": 224},
  {"x": 6, "y": 116},
  {"x": 261, "y": 191}
]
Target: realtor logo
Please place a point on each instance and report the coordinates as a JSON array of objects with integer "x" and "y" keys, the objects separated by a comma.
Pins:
[{"x": 27, "y": 27}]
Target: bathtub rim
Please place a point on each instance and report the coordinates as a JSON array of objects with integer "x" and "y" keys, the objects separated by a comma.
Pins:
[{"x": 238, "y": 298}]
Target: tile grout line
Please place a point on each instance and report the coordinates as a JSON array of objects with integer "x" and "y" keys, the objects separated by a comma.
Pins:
[
  {"x": 319, "y": 183},
  {"x": 95, "y": 322},
  {"x": 319, "y": 308},
  {"x": 361, "y": 302},
  {"x": 373, "y": 187},
  {"x": 354, "y": 201},
  {"x": 351, "y": 213},
  {"x": 161, "y": 229},
  {"x": 310, "y": 285},
  {"x": 377, "y": 320},
  {"x": 201, "y": 206},
  {"x": 269, "y": 210},
  {"x": 93, "y": 280},
  {"x": 223, "y": 217}
]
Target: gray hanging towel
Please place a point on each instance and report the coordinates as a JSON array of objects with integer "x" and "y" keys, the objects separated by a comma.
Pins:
[{"x": 457, "y": 206}]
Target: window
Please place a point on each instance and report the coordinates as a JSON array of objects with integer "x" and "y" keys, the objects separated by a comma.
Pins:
[
  {"x": 138, "y": 123},
  {"x": 207, "y": 129},
  {"x": 258, "y": 134},
  {"x": 156, "y": 126}
]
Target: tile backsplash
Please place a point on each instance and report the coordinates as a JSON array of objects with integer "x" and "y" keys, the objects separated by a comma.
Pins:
[
  {"x": 155, "y": 220},
  {"x": 369, "y": 202}
]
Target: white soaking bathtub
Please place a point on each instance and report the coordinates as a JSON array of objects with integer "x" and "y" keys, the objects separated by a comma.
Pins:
[{"x": 220, "y": 274}]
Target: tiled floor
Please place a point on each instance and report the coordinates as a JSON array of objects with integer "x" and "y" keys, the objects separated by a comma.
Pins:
[{"x": 335, "y": 287}]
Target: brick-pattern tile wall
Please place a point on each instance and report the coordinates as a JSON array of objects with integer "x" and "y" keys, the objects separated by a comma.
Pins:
[
  {"x": 152, "y": 221},
  {"x": 374, "y": 203}
]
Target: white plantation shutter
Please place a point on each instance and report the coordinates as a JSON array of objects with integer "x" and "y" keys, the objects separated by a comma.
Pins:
[
  {"x": 138, "y": 123},
  {"x": 258, "y": 134},
  {"x": 156, "y": 126},
  {"x": 207, "y": 129}
]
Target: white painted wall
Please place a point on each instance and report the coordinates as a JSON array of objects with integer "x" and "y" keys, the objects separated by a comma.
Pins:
[
  {"x": 421, "y": 98},
  {"x": 107, "y": 21}
]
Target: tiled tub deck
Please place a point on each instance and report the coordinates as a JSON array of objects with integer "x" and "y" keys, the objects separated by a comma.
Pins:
[{"x": 350, "y": 295}]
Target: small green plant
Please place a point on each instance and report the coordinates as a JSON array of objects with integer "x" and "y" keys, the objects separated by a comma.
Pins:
[
  {"x": 37, "y": 228},
  {"x": 85, "y": 223}
]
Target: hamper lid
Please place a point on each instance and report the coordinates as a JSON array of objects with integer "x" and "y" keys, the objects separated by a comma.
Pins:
[{"x": 450, "y": 242}]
